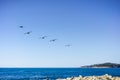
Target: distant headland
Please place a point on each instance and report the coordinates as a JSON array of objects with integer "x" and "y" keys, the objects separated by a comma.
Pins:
[{"x": 103, "y": 65}]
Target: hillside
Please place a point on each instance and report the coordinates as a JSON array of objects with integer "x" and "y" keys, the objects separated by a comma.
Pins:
[{"x": 103, "y": 65}]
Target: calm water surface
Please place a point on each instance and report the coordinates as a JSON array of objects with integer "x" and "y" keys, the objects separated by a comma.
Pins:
[{"x": 53, "y": 73}]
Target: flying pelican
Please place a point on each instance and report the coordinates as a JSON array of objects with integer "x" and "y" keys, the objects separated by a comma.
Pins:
[
  {"x": 43, "y": 37},
  {"x": 21, "y": 26},
  {"x": 68, "y": 45},
  {"x": 28, "y": 32},
  {"x": 52, "y": 40}
]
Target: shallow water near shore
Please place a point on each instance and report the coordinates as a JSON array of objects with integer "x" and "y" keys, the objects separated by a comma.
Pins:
[{"x": 53, "y": 73}]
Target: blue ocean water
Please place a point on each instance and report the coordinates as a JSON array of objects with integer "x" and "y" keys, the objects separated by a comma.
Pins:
[{"x": 53, "y": 73}]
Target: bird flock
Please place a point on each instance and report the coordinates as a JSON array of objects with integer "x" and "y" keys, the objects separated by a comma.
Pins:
[{"x": 44, "y": 37}]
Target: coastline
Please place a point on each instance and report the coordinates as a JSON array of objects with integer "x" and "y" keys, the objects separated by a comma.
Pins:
[{"x": 103, "y": 77}]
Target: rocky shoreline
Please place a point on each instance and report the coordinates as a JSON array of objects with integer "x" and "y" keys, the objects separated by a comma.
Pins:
[{"x": 103, "y": 77}]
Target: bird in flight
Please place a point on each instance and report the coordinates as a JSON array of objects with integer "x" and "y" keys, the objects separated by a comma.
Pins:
[
  {"x": 67, "y": 45},
  {"x": 29, "y": 32},
  {"x": 43, "y": 37},
  {"x": 52, "y": 40},
  {"x": 21, "y": 26}
]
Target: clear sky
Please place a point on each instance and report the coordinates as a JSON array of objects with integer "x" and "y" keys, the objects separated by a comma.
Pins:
[{"x": 92, "y": 27}]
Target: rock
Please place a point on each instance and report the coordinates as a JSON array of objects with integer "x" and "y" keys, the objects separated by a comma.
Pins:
[{"x": 104, "y": 77}]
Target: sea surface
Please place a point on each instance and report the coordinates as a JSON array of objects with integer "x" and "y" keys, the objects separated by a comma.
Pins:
[{"x": 53, "y": 73}]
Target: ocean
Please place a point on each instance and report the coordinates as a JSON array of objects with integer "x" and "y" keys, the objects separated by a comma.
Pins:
[{"x": 53, "y": 73}]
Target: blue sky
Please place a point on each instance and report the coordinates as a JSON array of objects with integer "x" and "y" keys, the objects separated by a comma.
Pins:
[{"x": 92, "y": 27}]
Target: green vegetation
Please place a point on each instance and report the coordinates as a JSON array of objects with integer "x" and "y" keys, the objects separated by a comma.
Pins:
[{"x": 103, "y": 65}]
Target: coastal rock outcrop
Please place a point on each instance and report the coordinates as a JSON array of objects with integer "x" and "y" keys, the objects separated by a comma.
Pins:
[
  {"x": 103, "y": 77},
  {"x": 103, "y": 65}
]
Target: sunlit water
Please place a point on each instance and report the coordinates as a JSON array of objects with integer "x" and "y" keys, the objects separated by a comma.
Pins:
[{"x": 53, "y": 73}]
